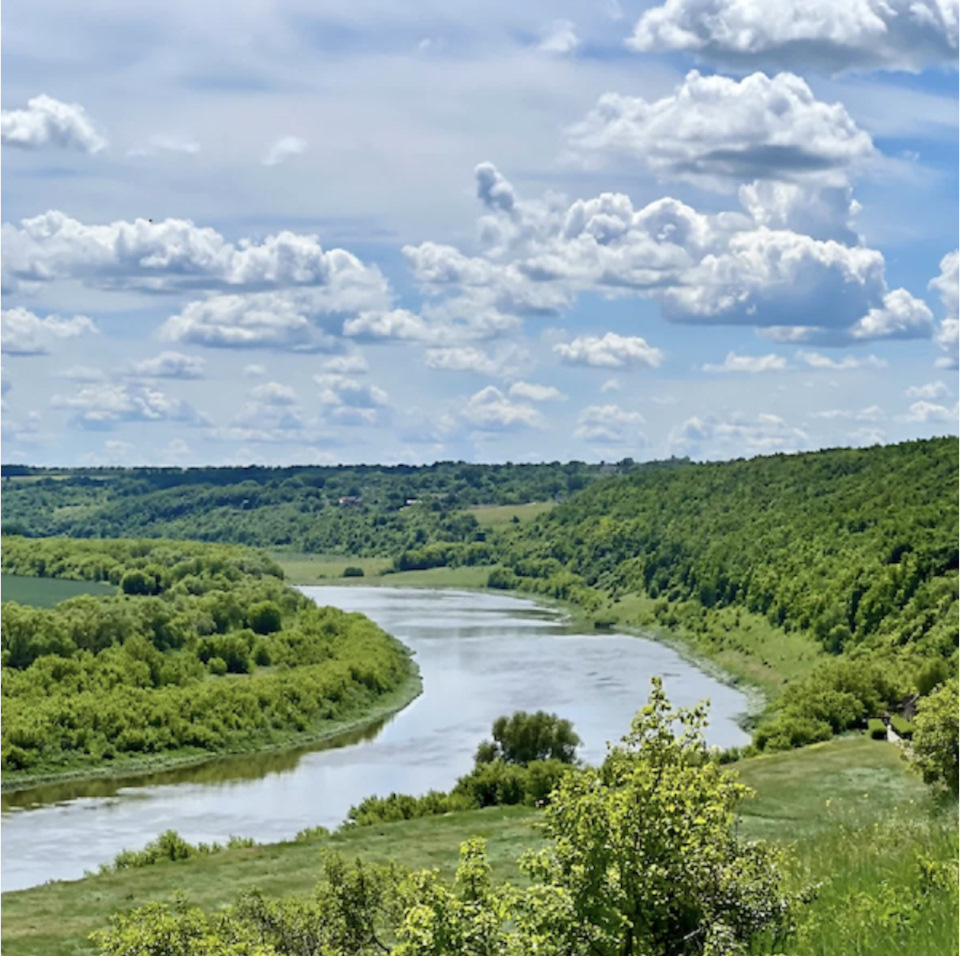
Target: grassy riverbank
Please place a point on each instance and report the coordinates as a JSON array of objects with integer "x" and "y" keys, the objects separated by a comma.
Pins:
[
  {"x": 736, "y": 646},
  {"x": 820, "y": 797}
]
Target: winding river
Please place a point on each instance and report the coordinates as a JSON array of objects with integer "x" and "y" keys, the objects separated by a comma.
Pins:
[{"x": 480, "y": 654}]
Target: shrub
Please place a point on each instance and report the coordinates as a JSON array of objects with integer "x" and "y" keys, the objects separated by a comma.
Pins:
[
  {"x": 352, "y": 571},
  {"x": 522, "y": 738},
  {"x": 934, "y": 753},
  {"x": 264, "y": 617},
  {"x": 902, "y": 726},
  {"x": 877, "y": 728},
  {"x": 217, "y": 666}
]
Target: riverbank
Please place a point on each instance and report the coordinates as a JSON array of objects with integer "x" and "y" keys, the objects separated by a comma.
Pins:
[
  {"x": 386, "y": 705},
  {"x": 802, "y": 795},
  {"x": 734, "y": 646}
]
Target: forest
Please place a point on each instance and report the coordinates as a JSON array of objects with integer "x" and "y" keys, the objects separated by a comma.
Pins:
[
  {"x": 202, "y": 650},
  {"x": 387, "y": 509}
]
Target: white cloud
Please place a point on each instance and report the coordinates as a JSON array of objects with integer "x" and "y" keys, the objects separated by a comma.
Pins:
[
  {"x": 491, "y": 410},
  {"x": 610, "y": 385},
  {"x": 175, "y": 254},
  {"x": 560, "y": 39},
  {"x": 24, "y": 333},
  {"x": 747, "y": 268},
  {"x": 867, "y": 436},
  {"x": 392, "y": 324},
  {"x": 170, "y": 365},
  {"x": 948, "y": 285},
  {"x": 719, "y": 435},
  {"x": 283, "y": 149},
  {"x": 48, "y": 122},
  {"x": 873, "y": 413},
  {"x": 606, "y": 423},
  {"x": 349, "y": 402},
  {"x": 749, "y": 363},
  {"x": 713, "y": 128},
  {"x": 848, "y": 362},
  {"x": 461, "y": 359},
  {"x": 354, "y": 364},
  {"x": 931, "y": 390},
  {"x": 535, "y": 393},
  {"x": 274, "y": 393},
  {"x": 610, "y": 351},
  {"x": 106, "y": 405},
  {"x": 254, "y": 370},
  {"x": 277, "y": 320},
  {"x": 820, "y": 34},
  {"x": 923, "y": 412}
]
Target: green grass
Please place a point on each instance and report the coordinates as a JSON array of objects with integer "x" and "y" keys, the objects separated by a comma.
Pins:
[
  {"x": 808, "y": 795},
  {"x": 325, "y": 568},
  {"x": 496, "y": 516},
  {"x": 45, "y": 592}
]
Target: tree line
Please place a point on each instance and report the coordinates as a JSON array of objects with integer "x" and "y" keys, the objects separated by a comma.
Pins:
[{"x": 202, "y": 650}]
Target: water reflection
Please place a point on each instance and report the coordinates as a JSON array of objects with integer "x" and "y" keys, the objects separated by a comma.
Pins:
[{"x": 480, "y": 655}]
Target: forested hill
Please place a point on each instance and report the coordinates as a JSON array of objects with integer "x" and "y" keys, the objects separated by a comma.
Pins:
[
  {"x": 357, "y": 510},
  {"x": 848, "y": 544}
]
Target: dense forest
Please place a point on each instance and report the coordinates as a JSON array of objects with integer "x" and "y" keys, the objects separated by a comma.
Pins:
[
  {"x": 202, "y": 650},
  {"x": 856, "y": 548},
  {"x": 357, "y": 510}
]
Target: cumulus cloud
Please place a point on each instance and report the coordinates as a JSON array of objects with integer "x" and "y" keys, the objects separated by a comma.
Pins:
[
  {"x": 609, "y": 351},
  {"x": 819, "y": 361},
  {"x": 283, "y": 149},
  {"x": 83, "y": 373},
  {"x": 491, "y": 410},
  {"x": 274, "y": 393},
  {"x": 390, "y": 324},
  {"x": 610, "y": 385},
  {"x": 719, "y": 435},
  {"x": 49, "y": 122},
  {"x": 713, "y": 129},
  {"x": 750, "y": 266},
  {"x": 354, "y": 364},
  {"x": 873, "y": 413},
  {"x": 948, "y": 285},
  {"x": 23, "y": 333},
  {"x": 175, "y": 255},
  {"x": 170, "y": 365},
  {"x": 276, "y": 320},
  {"x": 104, "y": 406},
  {"x": 749, "y": 363},
  {"x": 607, "y": 423},
  {"x": 910, "y": 35},
  {"x": 535, "y": 393},
  {"x": 254, "y": 370},
  {"x": 924, "y": 412},
  {"x": 560, "y": 39},
  {"x": 349, "y": 402},
  {"x": 932, "y": 390}
]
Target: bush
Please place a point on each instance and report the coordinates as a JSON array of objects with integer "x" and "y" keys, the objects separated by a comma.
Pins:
[
  {"x": 264, "y": 617},
  {"x": 877, "y": 728},
  {"x": 902, "y": 726},
  {"x": 352, "y": 571},
  {"x": 217, "y": 666},
  {"x": 523, "y": 738},
  {"x": 934, "y": 754}
]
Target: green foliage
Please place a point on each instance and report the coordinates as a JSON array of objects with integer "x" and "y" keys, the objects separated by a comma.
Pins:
[
  {"x": 877, "y": 728},
  {"x": 170, "y": 847},
  {"x": 934, "y": 748},
  {"x": 902, "y": 726},
  {"x": 642, "y": 857},
  {"x": 352, "y": 571},
  {"x": 523, "y": 738},
  {"x": 93, "y": 682}
]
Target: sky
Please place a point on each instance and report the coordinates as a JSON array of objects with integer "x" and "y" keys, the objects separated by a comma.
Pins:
[{"x": 290, "y": 232}]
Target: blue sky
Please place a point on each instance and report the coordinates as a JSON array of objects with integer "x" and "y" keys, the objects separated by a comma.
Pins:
[{"x": 314, "y": 233}]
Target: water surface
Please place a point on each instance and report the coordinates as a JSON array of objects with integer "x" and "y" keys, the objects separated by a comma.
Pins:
[{"x": 480, "y": 655}]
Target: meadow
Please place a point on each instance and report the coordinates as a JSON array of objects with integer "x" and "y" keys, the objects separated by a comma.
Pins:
[{"x": 853, "y": 815}]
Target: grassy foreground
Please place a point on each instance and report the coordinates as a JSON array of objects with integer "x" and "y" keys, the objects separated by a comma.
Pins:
[{"x": 813, "y": 796}]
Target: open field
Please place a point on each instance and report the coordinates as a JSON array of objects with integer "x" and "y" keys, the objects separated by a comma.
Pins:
[
  {"x": 45, "y": 592},
  {"x": 808, "y": 795},
  {"x": 495, "y": 516},
  {"x": 325, "y": 568}
]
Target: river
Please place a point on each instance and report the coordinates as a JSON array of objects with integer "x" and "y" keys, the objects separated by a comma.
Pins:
[{"x": 480, "y": 655}]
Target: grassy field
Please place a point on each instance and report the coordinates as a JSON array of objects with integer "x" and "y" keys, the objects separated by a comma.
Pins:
[
  {"x": 45, "y": 592},
  {"x": 496, "y": 516},
  {"x": 813, "y": 796},
  {"x": 326, "y": 568}
]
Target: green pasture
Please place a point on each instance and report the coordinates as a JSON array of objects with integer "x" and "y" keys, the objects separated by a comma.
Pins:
[{"x": 45, "y": 592}]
